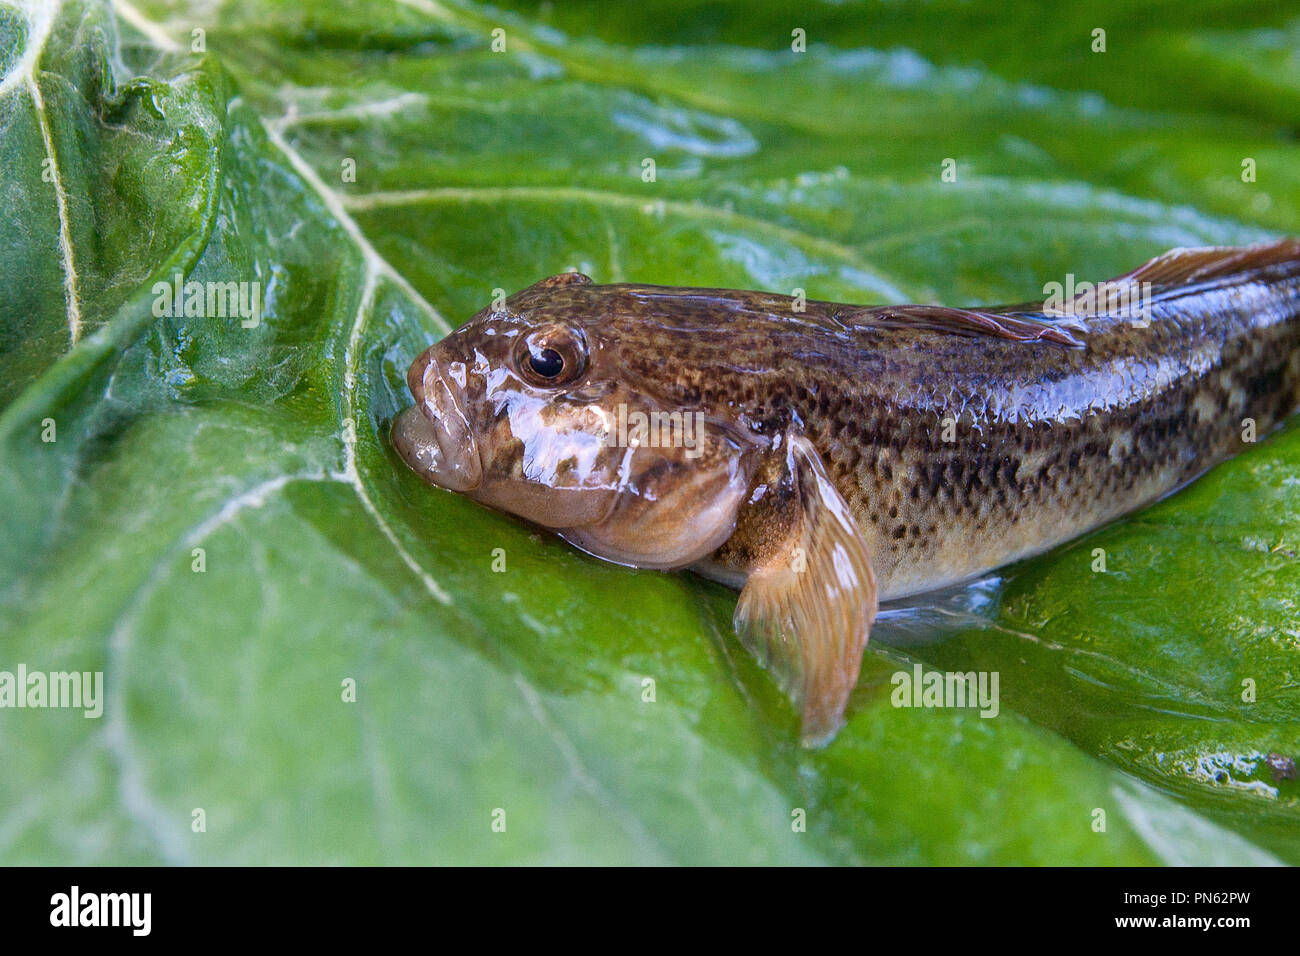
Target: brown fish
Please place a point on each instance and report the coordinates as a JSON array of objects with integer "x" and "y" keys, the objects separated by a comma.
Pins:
[{"x": 822, "y": 457}]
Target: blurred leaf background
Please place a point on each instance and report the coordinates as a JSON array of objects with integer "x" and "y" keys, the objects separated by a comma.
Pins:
[{"x": 215, "y": 140}]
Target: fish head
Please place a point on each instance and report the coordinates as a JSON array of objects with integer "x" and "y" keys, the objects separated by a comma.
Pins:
[{"x": 528, "y": 408}]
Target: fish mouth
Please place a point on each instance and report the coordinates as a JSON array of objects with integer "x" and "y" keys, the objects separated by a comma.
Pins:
[{"x": 433, "y": 436}]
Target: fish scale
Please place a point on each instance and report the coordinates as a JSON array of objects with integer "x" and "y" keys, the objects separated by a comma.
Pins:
[{"x": 936, "y": 512}]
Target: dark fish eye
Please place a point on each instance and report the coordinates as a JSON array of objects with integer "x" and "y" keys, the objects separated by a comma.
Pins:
[
  {"x": 547, "y": 363},
  {"x": 551, "y": 356}
]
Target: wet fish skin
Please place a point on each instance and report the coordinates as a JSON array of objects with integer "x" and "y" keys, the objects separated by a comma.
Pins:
[
  {"x": 892, "y": 449},
  {"x": 1047, "y": 444}
]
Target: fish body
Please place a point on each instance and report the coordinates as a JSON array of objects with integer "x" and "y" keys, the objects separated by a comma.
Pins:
[{"x": 821, "y": 457}]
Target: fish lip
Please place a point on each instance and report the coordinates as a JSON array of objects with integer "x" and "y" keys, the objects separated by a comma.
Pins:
[{"x": 433, "y": 436}]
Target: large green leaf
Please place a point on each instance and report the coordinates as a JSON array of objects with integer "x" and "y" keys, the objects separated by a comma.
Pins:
[{"x": 135, "y": 148}]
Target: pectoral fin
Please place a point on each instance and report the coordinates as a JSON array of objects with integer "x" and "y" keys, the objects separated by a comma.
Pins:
[{"x": 807, "y": 606}]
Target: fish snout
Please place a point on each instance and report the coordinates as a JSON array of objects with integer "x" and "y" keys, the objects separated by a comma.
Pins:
[{"x": 433, "y": 436}]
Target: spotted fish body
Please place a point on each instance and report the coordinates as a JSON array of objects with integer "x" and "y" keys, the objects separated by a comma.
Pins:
[{"x": 853, "y": 454}]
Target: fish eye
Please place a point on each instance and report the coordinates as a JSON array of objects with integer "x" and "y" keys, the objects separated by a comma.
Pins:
[
  {"x": 552, "y": 355},
  {"x": 547, "y": 363}
]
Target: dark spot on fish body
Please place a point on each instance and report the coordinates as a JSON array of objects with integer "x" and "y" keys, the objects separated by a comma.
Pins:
[
  {"x": 660, "y": 471},
  {"x": 1008, "y": 471},
  {"x": 508, "y": 457}
]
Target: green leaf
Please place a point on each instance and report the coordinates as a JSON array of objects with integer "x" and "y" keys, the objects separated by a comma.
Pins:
[{"x": 609, "y": 714}]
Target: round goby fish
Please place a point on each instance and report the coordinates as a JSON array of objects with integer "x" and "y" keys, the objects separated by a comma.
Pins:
[{"x": 822, "y": 457}]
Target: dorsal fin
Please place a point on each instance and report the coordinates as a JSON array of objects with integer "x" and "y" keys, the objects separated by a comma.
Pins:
[
  {"x": 1210, "y": 265},
  {"x": 941, "y": 318},
  {"x": 1171, "y": 274}
]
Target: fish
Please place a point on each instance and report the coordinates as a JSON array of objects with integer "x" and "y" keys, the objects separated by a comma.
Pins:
[{"x": 821, "y": 457}]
